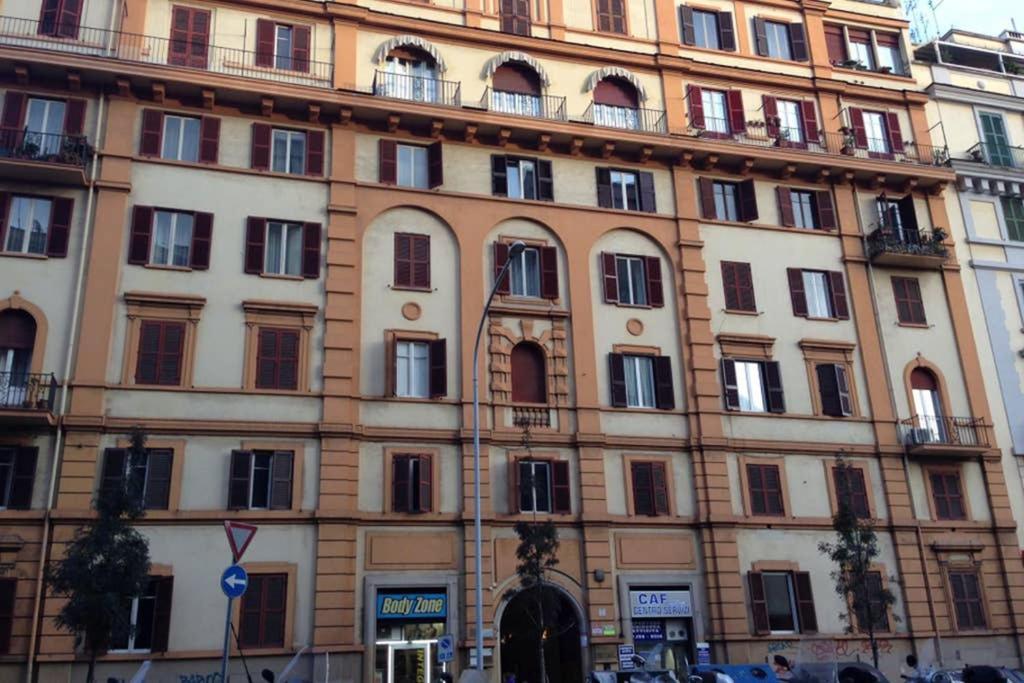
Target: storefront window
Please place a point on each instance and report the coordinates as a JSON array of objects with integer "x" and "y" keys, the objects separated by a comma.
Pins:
[
  {"x": 409, "y": 624},
  {"x": 663, "y": 628}
]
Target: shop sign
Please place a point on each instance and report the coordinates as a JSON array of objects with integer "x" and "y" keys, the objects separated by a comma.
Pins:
[
  {"x": 625, "y": 657},
  {"x": 648, "y": 631},
  {"x": 703, "y": 653},
  {"x": 660, "y": 604},
  {"x": 412, "y": 605}
]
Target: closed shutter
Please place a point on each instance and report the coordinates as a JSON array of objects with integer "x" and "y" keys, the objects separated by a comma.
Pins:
[
  {"x": 908, "y": 216},
  {"x": 152, "y": 132},
  {"x": 659, "y": 488},
  {"x": 202, "y": 237},
  {"x": 829, "y": 390},
  {"x": 209, "y": 139},
  {"x": 860, "y": 133},
  {"x": 758, "y": 603},
  {"x": 809, "y": 119},
  {"x": 435, "y": 165},
  {"x": 159, "y": 463},
  {"x": 655, "y": 290},
  {"x": 549, "y": 272},
  {"x": 300, "y": 49},
  {"x": 112, "y": 475},
  {"x": 604, "y": 188},
  {"x": 545, "y": 181},
  {"x": 426, "y": 483},
  {"x": 729, "y": 286},
  {"x": 643, "y": 488},
  {"x": 663, "y": 393},
  {"x": 826, "y": 211},
  {"x": 618, "y": 15},
  {"x": 288, "y": 360},
  {"x": 255, "y": 238},
  {"x": 909, "y": 306},
  {"x": 798, "y": 42},
  {"x": 617, "y": 379},
  {"x": 770, "y": 106},
  {"x": 747, "y": 198},
  {"x": 315, "y": 152},
  {"x": 760, "y": 37},
  {"x": 499, "y": 175},
  {"x": 740, "y": 287},
  {"x": 797, "y": 295},
  {"x": 604, "y": 20},
  {"x": 387, "y": 161},
  {"x": 707, "y": 198},
  {"x": 561, "y": 496},
  {"x": 178, "y": 47},
  {"x": 74, "y": 117},
  {"x": 311, "y": 250},
  {"x": 737, "y": 117},
  {"x": 730, "y": 385},
  {"x": 172, "y": 346},
  {"x": 239, "y": 482},
  {"x": 24, "y": 478},
  {"x": 403, "y": 259},
  {"x": 260, "y": 147},
  {"x": 13, "y": 118},
  {"x": 281, "y": 468},
  {"x": 785, "y": 206},
  {"x": 264, "y": 42},
  {"x": 836, "y": 44},
  {"x": 60, "y": 227},
  {"x": 645, "y": 181},
  {"x": 726, "y": 33},
  {"x": 686, "y": 25},
  {"x": 837, "y": 289},
  {"x": 773, "y": 386},
  {"x": 400, "y": 483},
  {"x": 267, "y": 352},
  {"x": 8, "y": 595},
  {"x": 892, "y": 124},
  {"x": 500, "y": 259},
  {"x": 138, "y": 242},
  {"x": 805, "y": 602},
  {"x": 610, "y": 277},
  {"x": 251, "y": 611},
  {"x": 695, "y": 98},
  {"x": 438, "y": 351},
  {"x": 146, "y": 369},
  {"x": 164, "y": 595}
]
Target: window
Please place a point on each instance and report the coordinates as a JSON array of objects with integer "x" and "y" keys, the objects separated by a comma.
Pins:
[
  {"x": 872, "y": 608},
  {"x": 516, "y": 88},
  {"x": 626, "y": 190},
  {"x": 1013, "y": 212},
  {"x": 522, "y": 180},
  {"x": 947, "y": 494},
  {"x": 17, "y": 476},
  {"x": 262, "y": 613},
  {"x": 650, "y": 488},
  {"x": 190, "y": 37},
  {"x": 909, "y": 305},
  {"x": 529, "y": 374},
  {"x": 60, "y": 18},
  {"x": 899, "y": 218},
  {"x": 543, "y": 486},
  {"x": 726, "y": 201},
  {"x": 641, "y": 381},
  {"x": 790, "y": 121},
  {"x": 764, "y": 485},
  {"x": 889, "y": 58},
  {"x": 412, "y": 369},
  {"x": 965, "y": 588},
  {"x": 804, "y": 209},
  {"x": 611, "y": 16},
  {"x": 8, "y": 592},
  {"x": 277, "y": 359},
  {"x": 878, "y": 137},
  {"x": 877, "y": 132},
  {"x": 705, "y": 29},
  {"x": 17, "y": 339},
  {"x": 161, "y": 350},
  {"x": 716, "y": 115},
  {"x": 519, "y": 178},
  {"x": 726, "y": 204},
  {"x": 818, "y": 294},
  {"x": 412, "y": 260},
  {"x": 753, "y": 386},
  {"x": 147, "y": 619},
  {"x": 861, "y": 52},
  {"x": 782, "y": 602},
  {"x": 283, "y": 248},
  {"x": 411, "y": 483},
  {"x": 180, "y": 138},
  {"x": 738, "y": 287},
  {"x": 524, "y": 273},
  {"x": 288, "y": 151},
  {"x": 164, "y": 237},
  {"x": 632, "y": 280},
  {"x": 777, "y": 36},
  {"x": 261, "y": 480},
  {"x": 412, "y": 166},
  {"x": 996, "y": 141},
  {"x": 515, "y": 17},
  {"x": 851, "y": 490},
  {"x": 172, "y": 238},
  {"x": 410, "y": 74},
  {"x": 930, "y": 425},
  {"x": 44, "y": 125},
  {"x": 149, "y": 478},
  {"x": 834, "y": 387},
  {"x": 28, "y": 222},
  {"x": 282, "y": 46},
  {"x": 616, "y": 104},
  {"x": 750, "y": 385}
]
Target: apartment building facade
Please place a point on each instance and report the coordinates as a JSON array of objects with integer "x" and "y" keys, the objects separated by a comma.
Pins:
[{"x": 286, "y": 218}]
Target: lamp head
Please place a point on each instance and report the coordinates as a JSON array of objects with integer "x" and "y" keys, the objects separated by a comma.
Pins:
[{"x": 516, "y": 249}]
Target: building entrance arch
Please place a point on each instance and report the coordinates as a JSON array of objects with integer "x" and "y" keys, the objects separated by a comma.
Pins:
[{"x": 541, "y": 620}]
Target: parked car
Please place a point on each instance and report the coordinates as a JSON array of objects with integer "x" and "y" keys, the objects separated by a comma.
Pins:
[{"x": 838, "y": 672}]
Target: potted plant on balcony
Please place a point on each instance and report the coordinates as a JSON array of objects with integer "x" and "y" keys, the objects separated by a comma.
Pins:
[
  {"x": 976, "y": 155},
  {"x": 885, "y": 69},
  {"x": 782, "y": 138},
  {"x": 849, "y": 141},
  {"x": 28, "y": 150}
]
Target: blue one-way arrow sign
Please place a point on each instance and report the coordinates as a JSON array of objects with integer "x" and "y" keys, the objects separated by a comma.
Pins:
[{"x": 234, "y": 581}]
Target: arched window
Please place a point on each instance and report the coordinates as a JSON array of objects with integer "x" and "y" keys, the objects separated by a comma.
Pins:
[
  {"x": 17, "y": 337},
  {"x": 924, "y": 387},
  {"x": 529, "y": 376},
  {"x": 410, "y": 74},
  {"x": 516, "y": 89},
  {"x": 616, "y": 103}
]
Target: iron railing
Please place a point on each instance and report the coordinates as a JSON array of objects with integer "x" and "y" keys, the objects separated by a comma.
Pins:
[
  {"x": 997, "y": 155},
  {"x": 530, "y": 416},
  {"x": 628, "y": 118},
  {"x": 417, "y": 88},
  {"x": 27, "y": 390},
  {"x": 135, "y": 47},
  {"x": 924, "y": 430},
  {"x": 72, "y": 150},
  {"x": 522, "y": 104},
  {"x": 895, "y": 240}
]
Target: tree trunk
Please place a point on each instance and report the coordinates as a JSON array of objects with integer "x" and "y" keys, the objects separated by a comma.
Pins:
[
  {"x": 540, "y": 634},
  {"x": 874, "y": 646},
  {"x": 91, "y": 671}
]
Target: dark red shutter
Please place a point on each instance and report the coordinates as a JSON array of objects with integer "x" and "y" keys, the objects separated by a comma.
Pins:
[
  {"x": 147, "y": 365},
  {"x": 315, "y": 152},
  {"x": 142, "y": 228},
  {"x": 860, "y": 133},
  {"x": 798, "y": 42},
  {"x": 892, "y": 123},
  {"x": 655, "y": 290},
  {"x": 164, "y": 595},
  {"x": 545, "y": 181},
  {"x": 758, "y": 603},
  {"x": 561, "y": 496},
  {"x": 74, "y": 117},
  {"x": 239, "y": 482},
  {"x": 686, "y": 25},
  {"x": 747, "y": 198},
  {"x": 426, "y": 483},
  {"x": 645, "y": 183},
  {"x": 420, "y": 255},
  {"x": 643, "y": 488},
  {"x": 400, "y": 484},
  {"x": 729, "y": 286},
  {"x": 695, "y": 98},
  {"x": 659, "y": 488},
  {"x": 809, "y": 117},
  {"x": 266, "y": 358},
  {"x": 826, "y": 212},
  {"x": 255, "y": 238},
  {"x": 500, "y": 259},
  {"x": 773, "y": 387},
  {"x": 5, "y": 199},
  {"x": 836, "y": 43},
  {"x": 604, "y": 188},
  {"x": 403, "y": 259},
  {"x": 707, "y": 198},
  {"x": 829, "y": 390},
  {"x": 48, "y": 18},
  {"x": 760, "y": 37},
  {"x": 261, "y": 146},
  {"x": 726, "y": 33},
  {"x": 387, "y": 164},
  {"x": 549, "y": 272},
  {"x": 13, "y": 118},
  {"x": 209, "y": 139},
  {"x": 610, "y": 276},
  {"x": 178, "y": 47},
  {"x": 796, "y": 291},
  {"x": 202, "y": 237},
  {"x": 499, "y": 175},
  {"x": 300, "y": 48},
  {"x": 288, "y": 360},
  {"x": 24, "y": 478},
  {"x": 737, "y": 117},
  {"x": 805, "y": 602},
  {"x": 264, "y": 42},
  {"x": 8, "y": 595},
  {"x": 281, "y": 480},
  {"x": 69, "y": 18},
  {"x": 311, "y": 250},
  {"x": 785, "y": 205},
  {"x": 435, "y": 165},
  {"x": 771, "y": 115},
  {"x": 730, "y": 385},
  {"x": 113, "y": 471},
  {"x": 664, "y": 395},
  {"x": 60, "y": 227},
  {"x": 438, "y": 353},
  {"x": 837, "y": 288},
  {"x": 172, "y": 348},
  {"x": 152, "y": 132},
  {"x": 617, "y": 379}
]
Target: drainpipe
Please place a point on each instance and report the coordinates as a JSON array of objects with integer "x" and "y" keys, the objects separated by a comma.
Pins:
[
  {"x": 89, "y": 221},
  {"x": 903, "y": 457}
]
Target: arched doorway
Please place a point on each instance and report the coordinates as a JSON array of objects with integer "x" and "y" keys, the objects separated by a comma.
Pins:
[
  {"x": 924, "y": 388},
  {"x": 535, "y": 619}
]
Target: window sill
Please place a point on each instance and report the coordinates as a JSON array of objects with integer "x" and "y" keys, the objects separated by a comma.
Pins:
[
  {"x": 410, "y": 288},
  {"x": 19, "y": 254},
  {"x": 733, "y": 311},
  {"x": 278, "y": 392},
  {"x": 279, "y": 276},
  {"x": 157, "y": 266},
  {"x": 919, "y": 326}
]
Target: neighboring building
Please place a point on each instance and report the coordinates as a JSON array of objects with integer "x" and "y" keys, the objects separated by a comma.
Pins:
[{"x": 734, "y": 272}]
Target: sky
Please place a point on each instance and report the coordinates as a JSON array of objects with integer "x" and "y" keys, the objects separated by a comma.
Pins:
[{"x": 981, "y": 16}]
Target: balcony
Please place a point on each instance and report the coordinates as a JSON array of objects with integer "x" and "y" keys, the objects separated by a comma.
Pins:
[
  {"x": 997, "y": 155},
  {"x": 628, "y": 118},
  {"x": 933, "y": 435},
  {"x": 528, "y": 417},
  {"x": 43, "y": 157},
  {"x": 894, "y": 246},
  {"x": 417, "y": 89},
  {"x": 27, "y": 397},
  {"x": 522, "y": 104}
]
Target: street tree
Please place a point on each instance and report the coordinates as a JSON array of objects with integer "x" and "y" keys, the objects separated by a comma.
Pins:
[{"x": 537, "y": 554}]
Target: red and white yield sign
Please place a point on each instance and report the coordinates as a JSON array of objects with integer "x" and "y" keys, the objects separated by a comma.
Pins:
[{"x": 239, "y": 537}]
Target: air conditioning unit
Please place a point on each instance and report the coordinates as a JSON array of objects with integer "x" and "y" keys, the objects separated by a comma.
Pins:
[
  {"x": 921, "y": 435},
  {"x": 675, "y": 629}
]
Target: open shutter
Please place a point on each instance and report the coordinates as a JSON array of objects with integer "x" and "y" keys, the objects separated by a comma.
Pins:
[
  {"x": 435, "y": 165},
  {"x": 499, "y": 175},
  {"x": 60, "y": 227},
  {"x": 837, "y": 288},
  {"x": 686, "y": 24},
  {"x": 805, "y": 602},
  {"x": 760, "y": 37},
  {"x": 74, "y": 117},
  {"x": 809, "y": 119},
  {"x": 604, "y": 188},
  {"x": 112, "y": 475},
  {"x": 908, "y": 215},
  {"x": 400, "y": 498},
  {"x": 826, "y": 212},
  {"x": 561, "y": 497},
  {"x": 311, "y": 250},
  {"x": 663, "y": 393},
  {"x": 281, "y": 468},
  {"x": 500, "y": 259},
  {"x": 426, "y": 483},
  {"x": 260, "y": 146},
  {"x": 387, "y": 163},
  {"x": 264, "y": 42},
  {"x": 845, "y": 400},
  {"x": 159, "y": 464},
  {"x": 659, "y": 488},
  {"x": 860, "y": 133},
  {"x": 24, "y": 478},
  {"x": 707, "y": 198},
  {"x": 892, "y": 124},
  {"x": 758, "y": 603},
  {"x": 549, "y": 272},
  {"x": 643, "y": 488},
  {"x": 209, "y": 139},
  {"x": 771, "y": 115},
  {"x": 610, "y": 276},
  {"x": 747, "y": 200},
  {"x": 300, "y": 48},
  {"x": 617, "y": 379},
  {"x": 545, "y": 181},
  {"x": 655, "y": 290},
  {"x": 730, "y": 385},
  {"x": 438, "y": 352},
  {"x": 695, "y": 98},
  {"x": 202, "y": 236},
  {"x": 147, "y": 366},
  {"x": 646, "y": 184},
  {"x": 730, "y": 286},
  {"x": 726, "y": 33},
  {"x": 13, "y": 117},
  {"x": 798, "y": 42},
  {"x": 238, "y": 483},
  {"x": 5, "y": 199},
  {"x": 315, "y": 152},
  {"x": 773, "y": 384},
  {"x": 255, "y": 237},
  {"x": 797, "y": 294},
  {"x": 164, "y": 594},
  {"x": 152, "y": 132},
  {"x": 829, "y": 390},
  {"x": 138, "y": 242},
  {"x": 737, "y": 117},
  {"x": 785, "y": 206},
  {"x": 48, "y": 21}
]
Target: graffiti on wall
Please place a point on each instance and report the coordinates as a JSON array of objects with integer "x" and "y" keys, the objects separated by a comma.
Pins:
[
  {"x": 200, "y": 678},
  {"x": 828, "y": 650}
]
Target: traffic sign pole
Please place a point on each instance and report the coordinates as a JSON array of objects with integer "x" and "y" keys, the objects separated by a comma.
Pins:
[
  {"x": 227, "y": 644},
  {"x": 234, "y": 580}
]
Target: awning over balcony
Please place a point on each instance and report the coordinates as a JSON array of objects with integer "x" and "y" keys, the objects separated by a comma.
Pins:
[
  {"x": 404, "y": 41},
  {"x": 615, "y": 72},
  {"x": 513, "y": 56}
]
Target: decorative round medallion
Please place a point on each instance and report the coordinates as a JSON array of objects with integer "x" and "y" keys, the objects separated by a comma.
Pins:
[
  {"x": 634, "y": 327},
  {"x": 411, "y": 311}
]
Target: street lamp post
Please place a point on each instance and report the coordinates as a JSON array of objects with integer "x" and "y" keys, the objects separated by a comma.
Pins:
[{"x": 514, "y": 251}]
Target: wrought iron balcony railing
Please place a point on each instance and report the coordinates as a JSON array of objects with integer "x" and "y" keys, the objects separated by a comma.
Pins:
[
  {"x": 628, "y": 118},
  {"x": 522, "y": 104},
  {"x": 21, "y": 144},
  {"x": 417, "y": 88},
  {"x": 890, "y": 240},
  {"x": 27, "y": 391},
  {"x": 940, "y": 430},
  {"x": 997, "y": 155}
]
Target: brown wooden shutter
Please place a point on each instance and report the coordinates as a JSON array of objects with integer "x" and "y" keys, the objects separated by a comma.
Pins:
[
  {"x": 147, "y": 366},
  {"x": 737, "y": 116},
  {"x": 760, "y": 37},
  {"x": 659, "y": 488},
  {"x": 798, "y": 42},
  {"x": 138, "y": 242},
  {"x": 785, "y": 205},
  {"x": 403, "y": 260},
  {"x": 60, "y": 227},
  {"x": 13, "y": 118},
  {"x": 604, "y": 188},
  {"x": 730, "y": 385},
  {"x": 686, "y": 25},
  {"x": 610, "y": 277},
  {"x": 836, "y": 44},
  {"x": 694, "y": 97},
  {"x": 499, "y": 175},
  {"x": 860, "y": 133},
  {"x": 255, "y": 238},
  {"x": 805, "y": 602},
  {"x": 758, "y": 603},
  {"x": 48, "y": 18},
  {"x": 112, "y": 475},
  {"x": 549, "y": 273},
  {"x": 747, "y": 198},
  {"x": 164, "y": 594},
  {"x": 202, "y": 237},
  {"x": 797, "y": 294},
  {"x": 172, "y": 346},
  {"x": 561, "y": 496},
  {"x": 617, "y": 379},
  {"x": 24, "y": 478},
  {"x": 809, "y": 118},
  {"x": 707, "y": 198},
  {"x": 239, "y": 481},
  {"x": 5, "y": 200},
  {"x": 261, "y": 146},
  {"x": 387, "y": 162},
  {"x": 152, "y": 132},
  {"x": 892, "y": 124},
  {"x": 400, "y": 484},
  {"x": 300, "y": 48},
  {"x": 730, "y": 286},
  {"x": 845, "y": 398},
  {"x": 426, "y": 483},
  {"x": 664, "y": 395},
  {"x": 545, "y": 181},
  {"x": 837, "y": 289},
  {"x": 643, "y": 488},
  {"x": 438, "y": 352},
  {"x": 311, "y": 250},
  {"x": 8, "y": 595},
  {"x": 726, "y": 33},
  {"x": 645, "y": 182},
  {"x": 655, "y": 290},
  {"x": 315, "y": 152},
  {"x": 281, "y": 468},
  {"x": 267, "y": 355},
  {"x": 209, "y": 139},
  {"x": 264, "y": 42},
  {"x": 829, "y": 390},
  {"x": 288, "y": 359},
  {"x": 826, "y": 212},
  {"x": 618, "y": 15},
  {"x": 604, "y": 20},
  {"x": 74, "y": 117},
  {"x": 500, "y": 259},
  {"x": 435, "y": 165},
  {"x": 773, "y": 387},
  {"x": 770, "y": 106},
  {"x": 159, "y": 463}
]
